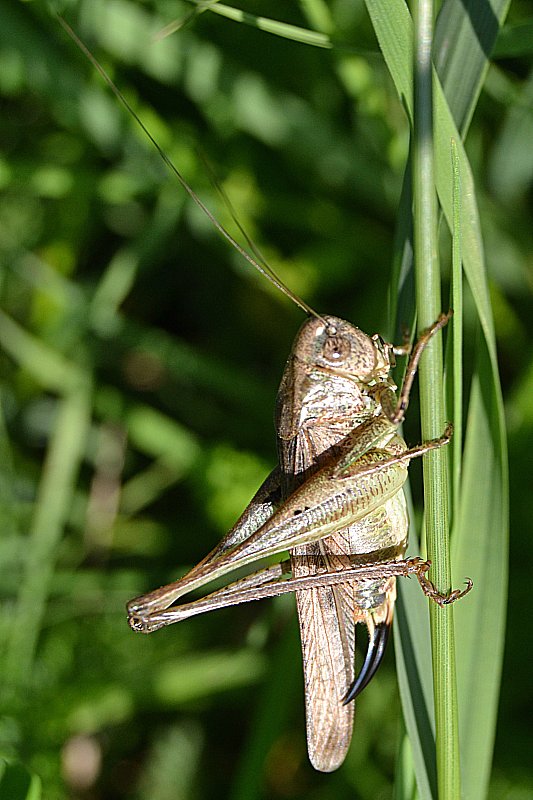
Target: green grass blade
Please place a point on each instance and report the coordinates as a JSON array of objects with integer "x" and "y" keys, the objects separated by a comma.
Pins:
[
  {"x": 9, "y": 517},
  {"x": 480, "y": 541},
  {"x": 65, "y": 451},
  {"x": 283, "y": 29},
  {"x": 394, "y": 31},
  {"x": 413, "y": 664},
  {"x": 462, "y": 68},
  {"x": 455, "y": 380},
  {"x": 464, "y": 57},
  {"x": 49, "y": 368},
  {"x": 514, "y": 40},
  {"x": 404, "y": 785},
  {"x": 16, "y": 783},
  {"x": 428, "y": 302},
  {"x": 480, "y": 549}
]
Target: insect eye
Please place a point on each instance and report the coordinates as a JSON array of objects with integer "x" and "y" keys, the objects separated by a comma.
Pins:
[{"x": 336, "y": 349}]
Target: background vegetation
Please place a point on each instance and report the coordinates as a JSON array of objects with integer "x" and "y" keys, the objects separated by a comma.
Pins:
[{"x": 140, "y": 361}]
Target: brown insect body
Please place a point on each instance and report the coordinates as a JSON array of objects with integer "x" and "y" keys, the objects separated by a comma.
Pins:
[
  {"x": 336, "y": 503},
  {"x": 331, "y": 384}
]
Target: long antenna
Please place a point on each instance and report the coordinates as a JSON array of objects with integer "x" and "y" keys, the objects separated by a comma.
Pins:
[{"x": 262, "y": 267}]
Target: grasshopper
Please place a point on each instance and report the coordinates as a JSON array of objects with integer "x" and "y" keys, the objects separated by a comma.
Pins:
[{"x": 335, "y": 502}]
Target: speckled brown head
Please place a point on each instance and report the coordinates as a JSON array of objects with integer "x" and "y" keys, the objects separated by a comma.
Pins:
[{"x": 331, "y": 343}]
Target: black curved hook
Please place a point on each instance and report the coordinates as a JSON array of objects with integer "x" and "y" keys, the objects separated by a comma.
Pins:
[{"x": 374, "y": 655}]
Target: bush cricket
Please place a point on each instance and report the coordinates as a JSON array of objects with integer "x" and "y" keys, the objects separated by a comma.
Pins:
[{"x": 335, "y": 502}]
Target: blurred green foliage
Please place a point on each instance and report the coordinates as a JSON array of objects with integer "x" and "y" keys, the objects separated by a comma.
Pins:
[{"x": 140, "y": 361}]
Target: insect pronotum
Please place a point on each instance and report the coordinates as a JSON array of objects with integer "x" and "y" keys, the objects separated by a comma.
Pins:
[{"x": 335, "y": 502}]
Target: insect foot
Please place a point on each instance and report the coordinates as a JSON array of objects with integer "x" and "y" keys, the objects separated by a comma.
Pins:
[
  {"x": 431, "y": 591},
  {"x": 138, "y": 624}
]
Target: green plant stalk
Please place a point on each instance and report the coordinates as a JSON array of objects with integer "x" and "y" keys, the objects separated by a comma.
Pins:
[
  {"x": 480, "y": 546},
  {"x": 456, "y": 338},
  {"x": 294, "y": 32},
  {"x": 428, "y": 300},
  {"x": 60, "y": 470}
]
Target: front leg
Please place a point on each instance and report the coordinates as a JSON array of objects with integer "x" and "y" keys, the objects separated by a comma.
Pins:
[{"x": 352, "y": 466}]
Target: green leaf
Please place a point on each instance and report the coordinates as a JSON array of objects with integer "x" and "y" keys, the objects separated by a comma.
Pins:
[
  {"x": 514, "y": 41},
  {"x": 60, "y": 471},
  {"x": 489, "y": 545},
  {"x": 473, "y": 29},
  {"x": 16, "y": 783},
  {"x": 480, "y": 550},
  {"x": 294, "y": 32}
]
